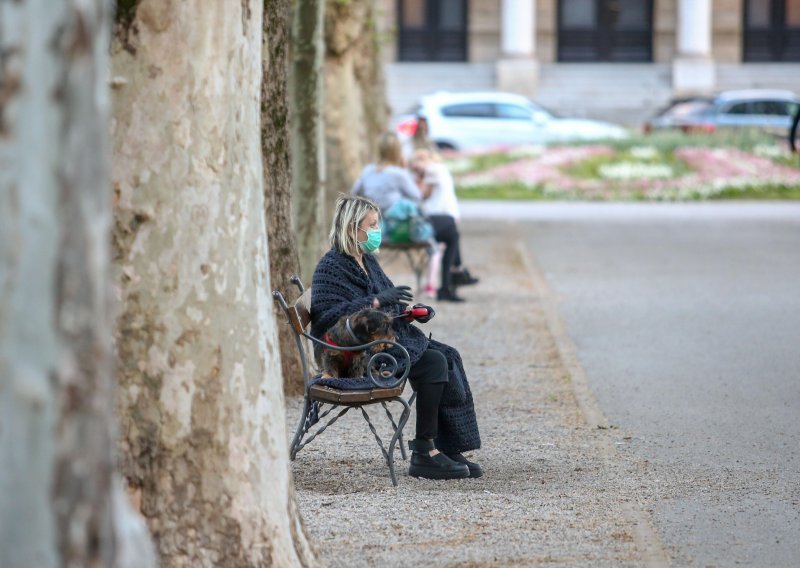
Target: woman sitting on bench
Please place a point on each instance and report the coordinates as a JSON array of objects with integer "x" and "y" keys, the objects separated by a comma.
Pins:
[
  {"x": 388, "y": 182},
  {"x": 347, "y": 279}
]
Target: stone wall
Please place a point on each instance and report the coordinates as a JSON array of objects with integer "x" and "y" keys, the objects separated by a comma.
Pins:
[
  {"x": 726, "y": 39},
  {"x": 484, "y": 31},
  {"x": 665, "y": 19}
]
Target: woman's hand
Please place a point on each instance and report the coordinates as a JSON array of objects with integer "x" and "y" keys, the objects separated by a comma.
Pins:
[
  {"x": 394, "y": 295},
  {"x": 420, "y": 313}
]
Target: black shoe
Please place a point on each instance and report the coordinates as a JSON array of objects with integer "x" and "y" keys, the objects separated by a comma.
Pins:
[
  {"x": 462, "y": 278},
  {"x": 433, "y": 467},
  {"x": 444, "y": 295},
  {"x": 474, "y": 469}
]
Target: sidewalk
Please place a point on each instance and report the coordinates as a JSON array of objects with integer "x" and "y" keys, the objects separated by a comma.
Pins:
[{"x": 555, "y": 491}]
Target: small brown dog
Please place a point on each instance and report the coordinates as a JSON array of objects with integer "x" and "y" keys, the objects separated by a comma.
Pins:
[{"x": 362, "y": 327}]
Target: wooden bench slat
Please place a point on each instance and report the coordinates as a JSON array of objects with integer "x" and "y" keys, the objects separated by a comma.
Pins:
[{"x": 339, "y": 396}]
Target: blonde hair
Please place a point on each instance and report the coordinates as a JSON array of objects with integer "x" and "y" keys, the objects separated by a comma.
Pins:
[
  {"x": 390, "y": 152},
  {"x": 349, "y": 212}
]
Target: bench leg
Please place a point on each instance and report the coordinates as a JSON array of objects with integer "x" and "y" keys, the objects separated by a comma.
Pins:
[
  {"x": 330, "y": 422},
  {"x": 394, "y": 427},
  {"x": 411, "y": 400},
  {"x": 301, "y": 428},
  {"x": 398, "y": 435}
]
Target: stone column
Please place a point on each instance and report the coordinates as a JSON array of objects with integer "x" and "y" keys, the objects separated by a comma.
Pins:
[
  {"x": 693, "y": 70},
  {"x": 517, "y": 69}
]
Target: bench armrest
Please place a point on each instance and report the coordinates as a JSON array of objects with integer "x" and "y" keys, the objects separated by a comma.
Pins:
[{"x": 380, "y": 359}]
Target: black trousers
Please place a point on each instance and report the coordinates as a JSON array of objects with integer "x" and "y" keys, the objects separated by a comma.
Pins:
[
  {"x": 446, "y": 231},
  {"x": 428, "y": 377}
]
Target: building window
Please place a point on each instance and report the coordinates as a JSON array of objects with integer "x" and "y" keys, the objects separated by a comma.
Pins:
[
  {"x": 605, "y": 30},
  {"x": 432, "y": 30},
  {"x": 771, "y": 30}
]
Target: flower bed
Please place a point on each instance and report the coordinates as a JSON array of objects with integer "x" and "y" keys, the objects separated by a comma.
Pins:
[{"x": 641, "y": 171}]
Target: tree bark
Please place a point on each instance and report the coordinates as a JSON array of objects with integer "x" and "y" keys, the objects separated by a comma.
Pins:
[
  {"x": 59, "y": 502},
  {"x": 356, "y": 111},
  {"x": 203, "y": 435},
  {"x": 275, "y": 143},
  {"x": 308, "y": 146}
]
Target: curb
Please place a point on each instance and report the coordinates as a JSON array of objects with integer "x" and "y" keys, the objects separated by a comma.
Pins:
[{"x": 647, "y": 540}]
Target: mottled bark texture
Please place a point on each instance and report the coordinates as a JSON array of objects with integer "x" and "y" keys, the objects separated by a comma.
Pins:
[
  {"x": 204, "y": 445},
  {"x": 275, "y": 146},
  {"x": 61, "y": 503},
  {"x": 308, "y": 150},
  {"x": 356, "y": 111}
]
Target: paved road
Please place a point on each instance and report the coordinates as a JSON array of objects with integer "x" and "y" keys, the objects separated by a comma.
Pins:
[{"x": 686, "y": 319}]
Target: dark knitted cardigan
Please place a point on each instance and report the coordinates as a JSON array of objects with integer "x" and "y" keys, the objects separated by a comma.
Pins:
[{"x": 340, "y": 287}]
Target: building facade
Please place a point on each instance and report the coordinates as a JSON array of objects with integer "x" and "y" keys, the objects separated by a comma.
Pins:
[{"x": 611, "y": 59}]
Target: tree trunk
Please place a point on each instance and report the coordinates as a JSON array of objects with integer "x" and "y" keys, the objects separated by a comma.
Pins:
[
  {"x": 59, "y": 502},
  {"x": 203, "y": 434},
  {"x": 356, "y": 111},
  {"x": 275, "y": 144},
  {"x": 308, "y": 150}
]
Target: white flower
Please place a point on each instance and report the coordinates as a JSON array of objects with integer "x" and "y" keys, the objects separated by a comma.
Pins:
[
  {"x": 771, "y": 151},
  {"x": 643, "y": 152},
  {"x": 635, "y": 170},
  {"x": 477, "y": 180},
  {"x": 530, "y": 151},
  {"x": 459, "y": 165}
]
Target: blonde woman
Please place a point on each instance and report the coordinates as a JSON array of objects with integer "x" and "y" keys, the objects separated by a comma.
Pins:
[{"x": 349, "y": 278}]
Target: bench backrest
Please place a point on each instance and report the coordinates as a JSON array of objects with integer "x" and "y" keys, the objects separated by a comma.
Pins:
[
  {"x": 298, "y": 316},
  {"x": 300, "y": 312}
]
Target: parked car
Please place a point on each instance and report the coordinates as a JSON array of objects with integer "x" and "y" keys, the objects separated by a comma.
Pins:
[
  {"x": 463, "y": 121},
  {"x": 770, "y": 110}
]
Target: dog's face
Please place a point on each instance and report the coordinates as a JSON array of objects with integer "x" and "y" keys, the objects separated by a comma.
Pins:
[{"x": 370, "y": 325}]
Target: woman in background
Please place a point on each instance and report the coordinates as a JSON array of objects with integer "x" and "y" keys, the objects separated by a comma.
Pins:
[
  {"x": 388, "y": 182},
  {"x": 441, "y": 209}
]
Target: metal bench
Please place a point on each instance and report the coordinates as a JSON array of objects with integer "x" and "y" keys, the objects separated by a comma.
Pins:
[{"x": 320, "y": 401}]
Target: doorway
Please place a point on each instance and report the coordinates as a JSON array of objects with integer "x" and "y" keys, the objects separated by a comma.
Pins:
[
  {"x": 432, "y": 30},
  {"x": 605, "y": 30}
]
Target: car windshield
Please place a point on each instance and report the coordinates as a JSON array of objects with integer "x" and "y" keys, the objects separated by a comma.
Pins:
[
  {"x": 536, "y": 107},
  {"x": 685, "y": 109}
]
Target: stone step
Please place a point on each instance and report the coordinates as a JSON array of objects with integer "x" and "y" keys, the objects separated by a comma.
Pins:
[
  {"x": 759, "y": 76},
  {"x": 625, "y": 93}
]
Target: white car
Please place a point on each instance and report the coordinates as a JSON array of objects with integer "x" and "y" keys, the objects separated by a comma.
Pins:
[{"x": 465, "y": 121}]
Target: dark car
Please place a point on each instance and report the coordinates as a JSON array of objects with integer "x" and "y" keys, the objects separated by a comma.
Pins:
[{"x": 769, "y": 110}]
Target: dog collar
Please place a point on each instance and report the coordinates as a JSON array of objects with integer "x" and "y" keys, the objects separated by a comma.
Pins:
[
  {"x": 350, "y": 331},
  {"x": 347, "y": 355}
]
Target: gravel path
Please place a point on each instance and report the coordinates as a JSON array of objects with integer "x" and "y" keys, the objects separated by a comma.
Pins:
[{"x": 556, "y": 490}]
